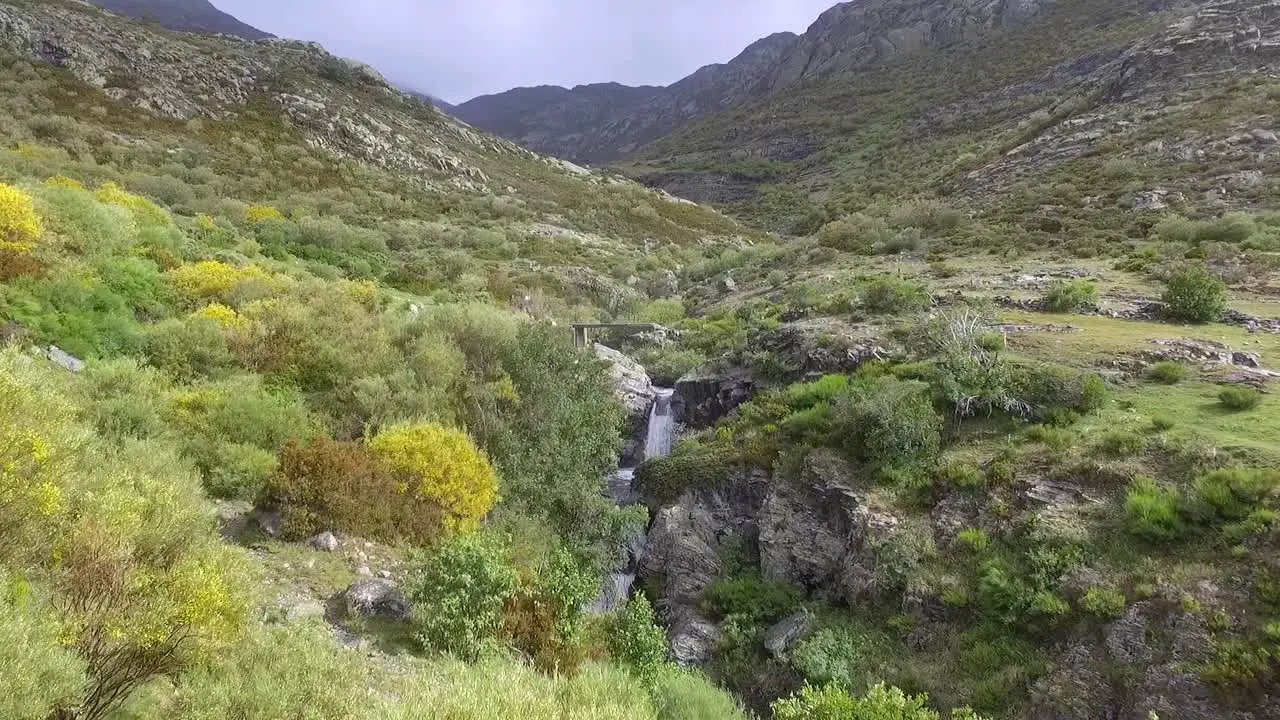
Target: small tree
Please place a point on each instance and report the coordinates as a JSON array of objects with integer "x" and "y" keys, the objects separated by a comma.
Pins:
[
  {"x": 443, "y": 466},
  {"x": 635, "y": 639},
  {"x": 459, "y": 593},
  {"x": 1196, "y": 296}
]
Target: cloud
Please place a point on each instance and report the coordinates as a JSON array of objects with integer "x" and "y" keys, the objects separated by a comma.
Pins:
[{"x": 458, "y": 49}]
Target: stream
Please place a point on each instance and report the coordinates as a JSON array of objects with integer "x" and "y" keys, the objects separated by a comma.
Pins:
[{"x": 658, "y": 439}]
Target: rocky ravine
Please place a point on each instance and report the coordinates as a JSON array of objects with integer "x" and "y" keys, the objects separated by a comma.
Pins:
[{"x": 599, "y": 123}]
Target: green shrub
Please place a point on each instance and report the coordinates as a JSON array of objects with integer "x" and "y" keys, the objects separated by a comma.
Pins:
[
  {"x": 832, "y": 702},
  {"x": 1122, "y": 442},
  {"x": 635, "y": 640},
  {"x": 975, "y": 539},
  {"x": 1153, "y": 511},
  {"x": 1194, "y": 295},
  {"x": 962, "y": 474},
  {"x": 891, "y": 296},
  {"x": 1167, "y": 372},
  {"x": 1163, "y": 424},
  {"x": 1104, "y": 603},
  {"x": 459, "y": 591},
  {"x": 750, "y": 596},
  {"x": 1239, "y": 398},
  {"x": 701, "y": 468},
  {"x": 1064, "y": 297},
  {"x": 287, "y": 671},
  {"x": 890, "y": 423},
  {"x": 1234, "y": 494},
  {"x": 805, "y": 395}
]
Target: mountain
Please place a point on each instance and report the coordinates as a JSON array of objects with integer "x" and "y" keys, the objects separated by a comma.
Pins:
[
  {"x": 1107, "y": 97},
  {"x": 187, "y": 15},
  {"x": 599, "y": 123}
]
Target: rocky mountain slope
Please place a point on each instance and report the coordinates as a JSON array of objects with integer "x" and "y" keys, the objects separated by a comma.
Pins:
[
  {"x": 190, "y": 91},
  {"x": 189, "y": 15},
  {"x": 598, "y": 123},
  {"x": 1141, "y": 98}
]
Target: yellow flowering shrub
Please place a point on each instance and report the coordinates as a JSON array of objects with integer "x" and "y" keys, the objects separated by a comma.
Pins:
[
  {"x": 221, "y": 314},
  {"x": 115, "y": 542},
  {"x": 18, "y": 220},
  {"x": 62, "y": 181},
  {"x": 210, "y": 279},
  {"x": 364, "y": 292},
  {"x": 441, "y": 465},
  {"x": 144, "y": 211},
  {"x": 257, "y": 213}
]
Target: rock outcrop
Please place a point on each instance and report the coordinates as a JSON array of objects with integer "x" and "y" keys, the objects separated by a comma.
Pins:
[
  {"x": 634, "y": 389},
  {"x": 703, "y": 399}
]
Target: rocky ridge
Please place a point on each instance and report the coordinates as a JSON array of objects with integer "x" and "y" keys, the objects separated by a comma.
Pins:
[{"x": 599, "y": 123}]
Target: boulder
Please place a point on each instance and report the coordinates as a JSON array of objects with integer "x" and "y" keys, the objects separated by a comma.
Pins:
[
  {"x": 325, "y": 542},
  {"x": 376, "y": 598},
  {"x": 785, "y": 635},
  {"x": 66, "y": 360},
  {"x": 271, "y": 523}
]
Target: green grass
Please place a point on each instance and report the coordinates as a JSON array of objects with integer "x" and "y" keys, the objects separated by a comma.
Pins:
[{"x": 1194, "y": 409}]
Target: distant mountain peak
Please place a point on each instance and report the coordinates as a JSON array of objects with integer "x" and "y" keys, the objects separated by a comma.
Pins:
[{"x": 198, "y": 16}]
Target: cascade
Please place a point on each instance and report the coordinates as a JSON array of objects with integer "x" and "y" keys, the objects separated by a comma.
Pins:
[{"x": 657, "y": 443}]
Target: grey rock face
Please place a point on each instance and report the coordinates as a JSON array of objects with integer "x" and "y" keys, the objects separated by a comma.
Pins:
[
  {"x": 376, "y": 598},
  {"x": 702, "y": 400},
  {"x": 631, "y": 383},
  {"x": 1150, "y": 656}
]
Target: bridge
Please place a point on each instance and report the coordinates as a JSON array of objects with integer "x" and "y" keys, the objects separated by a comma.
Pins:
[{"x": 582, "y": 331}]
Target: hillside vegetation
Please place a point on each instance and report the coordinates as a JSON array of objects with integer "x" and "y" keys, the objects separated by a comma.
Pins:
[{"x": 291, "y": 425}]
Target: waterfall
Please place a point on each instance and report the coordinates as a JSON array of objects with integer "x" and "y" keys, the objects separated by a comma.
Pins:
[
  {"x": 662, "y": 426},
  {"x": 657, "y": 443}
]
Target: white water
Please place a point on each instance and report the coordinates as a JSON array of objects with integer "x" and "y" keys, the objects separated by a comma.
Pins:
[
  {"x": 657, "y": 443},
  {"x": 662, "y": 426}
]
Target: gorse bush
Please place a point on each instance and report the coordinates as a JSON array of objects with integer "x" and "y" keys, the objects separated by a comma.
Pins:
[
  {"x": 1239, "y": 398},
  {"x": 326, "y": 485},
  {"x": 19, "y": 223},
  {"x": 116, "y": 541},
  {"x": 1194, "y": 295},
  {"x": 443, "y": 467},
  {"x": 1065, "y": 297},
  {"x": 258, "y": 213}
]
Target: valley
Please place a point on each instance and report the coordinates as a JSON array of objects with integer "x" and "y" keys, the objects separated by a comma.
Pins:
[{"x": 931, "y": 375}]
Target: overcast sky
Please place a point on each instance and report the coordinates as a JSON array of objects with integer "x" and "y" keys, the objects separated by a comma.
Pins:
[{"x": 457, "y": 49}]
